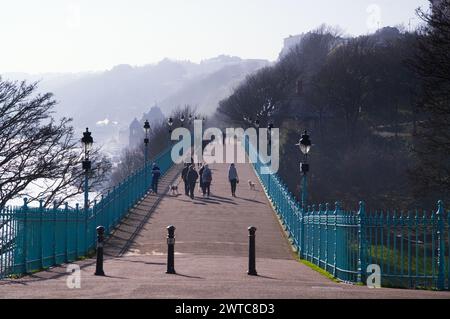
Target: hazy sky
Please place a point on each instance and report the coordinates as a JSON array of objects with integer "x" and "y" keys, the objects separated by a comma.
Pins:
[{"x": 81, "y": 35}]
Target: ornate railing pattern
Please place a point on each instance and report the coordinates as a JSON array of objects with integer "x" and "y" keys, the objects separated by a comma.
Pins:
[
  {"x": 411, "y": 248},
  {"x": 37, "y": 238}
]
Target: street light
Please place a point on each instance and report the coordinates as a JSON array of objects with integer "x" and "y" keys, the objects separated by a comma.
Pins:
[
  {"x": 146, "y": 142},
  {"x": 170, "y": 123},
  {"x": 305, "y": 147},
  {"x": 182, "y": 120},
  {"x": 87, "y": 142},
  {"x": 270, "y": 126}
]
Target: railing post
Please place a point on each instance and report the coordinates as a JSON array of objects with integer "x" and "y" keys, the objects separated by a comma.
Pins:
[
  {"x": 66, "y": 229},
  {"x": 335, "y": 213},
  {"x": 361, "y": 240},
  {"x": 55, "y": 207},
  {"x": 309, "y": 235},
  {"x": 313, "y": 235},
  {"x": 319, "y": 240},
  {"x": 302, "y": 231},
  {"x": 41, "y": 229},
  {"x": 441, "y": 246},
  {"x": 327, "y": 212},
  {"x": 77, "y": 219},
  {"x": 25, "y": 237}
]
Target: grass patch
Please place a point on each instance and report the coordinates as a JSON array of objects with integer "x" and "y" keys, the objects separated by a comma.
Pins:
[{"x": 316, "y": 268}]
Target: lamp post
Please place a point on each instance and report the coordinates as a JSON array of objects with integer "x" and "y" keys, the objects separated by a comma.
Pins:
[
  {"x": 146, "y": 140},
  {"x": 305, "y": 147},
  {"x": 182, "y": 120},
  {"x": 87, "y": 142},
  {"x": 170, "y": 123},
  {"x": 269, "y": 132}
]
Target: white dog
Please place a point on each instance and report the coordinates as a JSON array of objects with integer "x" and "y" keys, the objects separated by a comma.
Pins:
[
  {"x": 252, "y": 185},
  {"x": 173, "y": 189}
]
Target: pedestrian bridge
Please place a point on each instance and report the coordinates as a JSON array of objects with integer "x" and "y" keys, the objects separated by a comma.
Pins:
[{"x": 211, "y": 249}]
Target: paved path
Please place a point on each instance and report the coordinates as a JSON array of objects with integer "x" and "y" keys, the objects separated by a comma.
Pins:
[{"x": 211, "y": 250}]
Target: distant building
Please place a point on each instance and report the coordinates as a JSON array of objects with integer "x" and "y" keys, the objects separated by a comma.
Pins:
[
  {"x": 291, "y": 42},
  {"x": 136, "y": 133}
]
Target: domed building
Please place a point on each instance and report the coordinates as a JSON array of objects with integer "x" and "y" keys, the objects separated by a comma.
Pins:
[{"x": 136, "y": 133}]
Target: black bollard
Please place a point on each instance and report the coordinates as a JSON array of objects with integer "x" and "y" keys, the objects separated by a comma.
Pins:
[
  {"x": 171, "y": 250},
  {"x": 252, "y": 252},
  {"x": 100, "y": 237}
]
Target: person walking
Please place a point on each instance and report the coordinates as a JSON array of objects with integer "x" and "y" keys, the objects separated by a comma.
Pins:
[
  {"x": 156, "y": 174},
  {"x": 200, "y": 174},
  {"x": 184, "y": 173},
  {"x": 207, "y": 179},
  {"x": 192, "y": 177},
  {"x": 233, "y": 179}
]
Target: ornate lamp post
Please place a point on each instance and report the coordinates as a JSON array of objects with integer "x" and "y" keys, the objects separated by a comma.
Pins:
[
  {"x": 182, "y": 120},
  {"x": 146, "y": 140},
  {"x": 170, "y": 124},
  {"x": 305, "y": 147},
  {"x": 87, "y": 142},
  {"x": 269, "y": 132},
  {"x": 257, "y": 126}
]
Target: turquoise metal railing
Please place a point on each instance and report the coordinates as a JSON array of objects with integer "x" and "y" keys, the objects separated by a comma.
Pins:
[
  {"x": 411, "y": 248},
  {"x": 36, "y": 238}
]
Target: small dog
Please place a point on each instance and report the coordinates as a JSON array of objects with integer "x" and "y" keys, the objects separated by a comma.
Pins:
[
  {"x": 252, "y": 185},
  {"x": 174, "y": 190}
]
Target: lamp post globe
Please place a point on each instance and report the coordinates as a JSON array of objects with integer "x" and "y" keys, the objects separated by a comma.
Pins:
[
  {"x": 87, "y": 141},
  {"x": 305, "y": 143},
  {"x": 182, "y": 120}
]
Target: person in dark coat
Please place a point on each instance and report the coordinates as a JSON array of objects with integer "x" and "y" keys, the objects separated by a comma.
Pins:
[
  {"x": 207, "y": 179},
  {"x": 233, "y": 179},
  {"x": 156, "y": 174},
  {"x": 184, "y": 173},
  {"x": 192, "y": 177},
  {"x": 200, "y": 174}
]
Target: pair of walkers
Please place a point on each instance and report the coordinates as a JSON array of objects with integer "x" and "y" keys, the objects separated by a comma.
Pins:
[{"x": 190, "y": 177}]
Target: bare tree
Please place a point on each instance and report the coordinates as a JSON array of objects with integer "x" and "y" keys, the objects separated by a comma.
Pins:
[{"x": 37, "y": 149}]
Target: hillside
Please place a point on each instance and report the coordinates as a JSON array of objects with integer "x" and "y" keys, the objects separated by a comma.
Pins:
[{"x": 108, "y": 101}]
